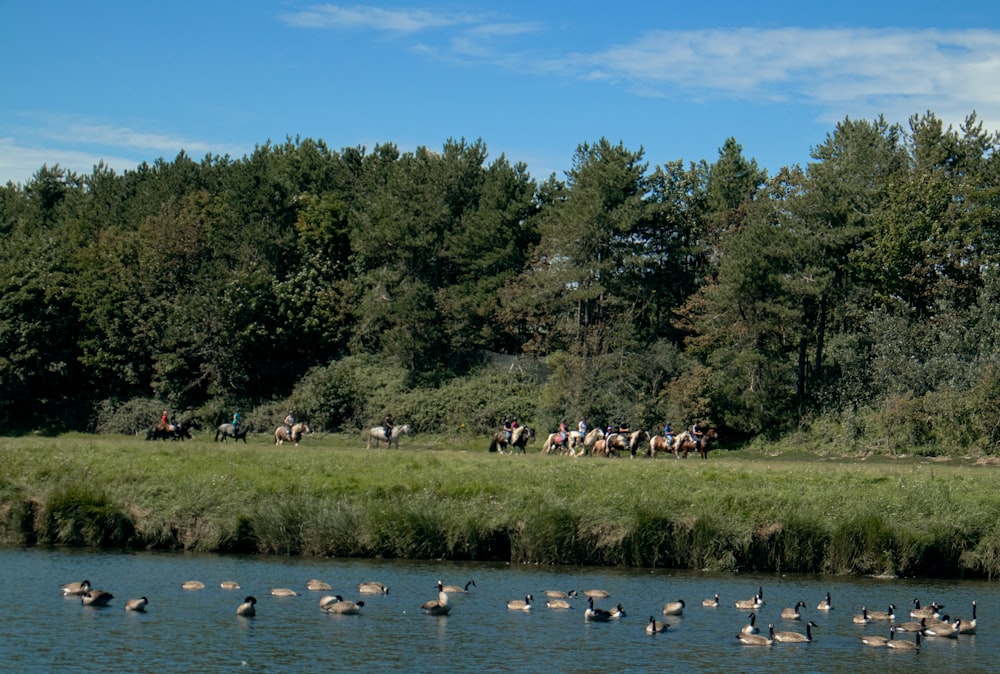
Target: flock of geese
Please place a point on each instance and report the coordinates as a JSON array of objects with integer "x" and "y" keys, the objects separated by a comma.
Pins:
[{"x": 921, "y": 621}]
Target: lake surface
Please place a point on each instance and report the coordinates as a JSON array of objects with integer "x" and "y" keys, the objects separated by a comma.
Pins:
[{"x": 185, "y": 631}]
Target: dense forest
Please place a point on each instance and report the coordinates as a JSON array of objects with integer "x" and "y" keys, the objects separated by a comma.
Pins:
[{"x": 854, "y": 299}]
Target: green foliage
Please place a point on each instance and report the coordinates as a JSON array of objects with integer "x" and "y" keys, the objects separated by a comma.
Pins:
[{"x": 849, "y": 304}]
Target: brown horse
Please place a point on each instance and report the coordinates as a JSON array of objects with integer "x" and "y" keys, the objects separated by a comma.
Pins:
[
  {"x": 686, "y": 442},
  {"x": 281, "y": 434},
  {"x": 657, "y": 445}
]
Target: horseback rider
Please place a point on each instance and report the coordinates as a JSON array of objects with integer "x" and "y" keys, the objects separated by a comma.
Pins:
[
  {"x": 668, "y": 435},
  {"x": 582, "y": 427},
  {"x": 696, "y": 433},
  {"x": 289, "y": 422},
  {"x": 236, "y": 421},
  {"x": 387, "y": 426},
  {"x": 563, "y": 432},
  {"x": 507, "y": 428}
]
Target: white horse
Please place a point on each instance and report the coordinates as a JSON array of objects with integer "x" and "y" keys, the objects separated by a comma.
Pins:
[
  {"x": 378, "y": 435},
  {"x": 298, "y": 430}
]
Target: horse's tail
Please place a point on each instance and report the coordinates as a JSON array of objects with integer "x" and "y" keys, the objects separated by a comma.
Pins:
[{"x": 494, "y": 445}]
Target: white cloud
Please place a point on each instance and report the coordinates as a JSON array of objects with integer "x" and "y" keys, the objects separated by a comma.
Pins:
[
  {"x": 374, "y": 18},
  {"x": 858, "y": 71},
  {"x": 18, "y": 162}
]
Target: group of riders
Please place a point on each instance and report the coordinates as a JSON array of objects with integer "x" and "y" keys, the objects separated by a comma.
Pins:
[{"x": 562, "y": 435}]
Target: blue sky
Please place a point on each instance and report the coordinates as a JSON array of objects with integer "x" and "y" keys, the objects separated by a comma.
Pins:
[{"x": 128, "y": 82}]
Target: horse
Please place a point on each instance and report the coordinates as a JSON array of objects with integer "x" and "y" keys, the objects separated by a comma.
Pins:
[
  {"x": 555, "y": 442},
  {"x": 614, "y": 443},
  {"x": 634, "y": 438},
  {"x": 591, "y": 439},
  {"x": 686, "y": 442},
  {"x": 168, "y": 431},
  {"x": 227, "y": 430},
  {"x": 520, "y": 437},
  {"x": 499, "y": 442},
  {"x": 659, "y": 444},
  {"x": 281, "y": 434},
  {"x": 378, "y": 435}
]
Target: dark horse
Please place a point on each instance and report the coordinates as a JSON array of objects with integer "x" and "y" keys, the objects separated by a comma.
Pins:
[
  {"x": 225, "y": 431},
  {"x": 519, "y": 437},
  {"x": 686, "y": 442},
  {"x": 161, "y": 431}
]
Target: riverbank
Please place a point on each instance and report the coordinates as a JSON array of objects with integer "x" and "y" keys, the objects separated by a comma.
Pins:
[{"x": 448, "y": 498}]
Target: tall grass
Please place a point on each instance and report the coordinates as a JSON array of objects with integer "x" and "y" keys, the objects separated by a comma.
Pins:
[{"x": 440, "y": 498}]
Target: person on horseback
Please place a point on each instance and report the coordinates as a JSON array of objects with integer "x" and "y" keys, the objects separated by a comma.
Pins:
[
  {"x": 696, "y": 433},
  {"x": 165, "y": 420},
  {"x": 623, "y": 428},
  {"x": 668, "y": 434},
  {"x": 289, "y": 422},
  {"x": 387, "y": 426},
  {"x": 563, "y": 433},
  {"x": 582, "y": 427},
  {"x": 236, "y": 421},
  {"x": 507, "y": 428}
]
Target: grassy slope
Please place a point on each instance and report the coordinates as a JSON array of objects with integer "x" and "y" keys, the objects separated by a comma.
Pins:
[{"x": 447, "y": 497}]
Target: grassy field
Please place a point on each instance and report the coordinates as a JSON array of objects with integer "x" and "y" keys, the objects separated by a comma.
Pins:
[{"x": 442, "y": 497}]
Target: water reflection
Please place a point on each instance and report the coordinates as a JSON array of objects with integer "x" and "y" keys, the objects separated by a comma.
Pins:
[{"x": 185, "y": 631}]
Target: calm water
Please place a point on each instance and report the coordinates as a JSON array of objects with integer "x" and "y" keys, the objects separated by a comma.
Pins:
[{"x": 184, "y": 631}]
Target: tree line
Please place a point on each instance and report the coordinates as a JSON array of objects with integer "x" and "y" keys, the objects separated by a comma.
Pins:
[{"x": 852, "y": 300}]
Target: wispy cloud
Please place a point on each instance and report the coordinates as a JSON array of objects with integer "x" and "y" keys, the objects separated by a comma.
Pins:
[
  {"x": 837, "y": 71},
  {"x": 376, "y": 18},
  {"x": 861, "y": 70}
]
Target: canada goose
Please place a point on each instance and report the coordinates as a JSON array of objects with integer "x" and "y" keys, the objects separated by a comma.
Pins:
[
  {"x": 969, "y": 627},
  {"x": 76, "y": 589},
  {"x": 948, "y": 630},
  {"x": 326, "y": 600},
  {"x": 826, "y": 604},
  {"x": 458, "y": 589},
  {"x": 596, "y": 594},
  {"x": 862, "y": 618},
  {"x": 674, "y": 607},
  {"x": 751, "y": 628},
  {"x": 193, "y": 585},
  {"x": 520, "y": 604},
  {"x": 900, "y": 644},
  {"x": 711, "y": 603},
  {"x": 757, "y": 639},
  {"x": 316, "y": 585},
  {"x": 557, "y": 603},
  {"x": 137, "y": 605},
  {"x": 749, "y": 604},
  {"x": 618, "y": 611},
  {"x": 889, "y": 614},
  {"x": 795, "y": 637},
  {"x": 96, "y": 598},
  {"x": 229, "y": 585},
  {"x": 559, "y": 594},
  {"x": 283, "y": 592},
  {"x": 655, "y": 627},
  {"x": 912, "y": 626},
  {"x": 341, "y": 607},
  {"x": 792, "y": 613},
  {"x": 593, "y": 614},
  {"x": 932, "y": 611},
  {"x": 439, "y": 606},
  {"x": 372, "y": 587},
  {"x": 874, "y": 641},
  {"x": 246, "y": 609}
]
